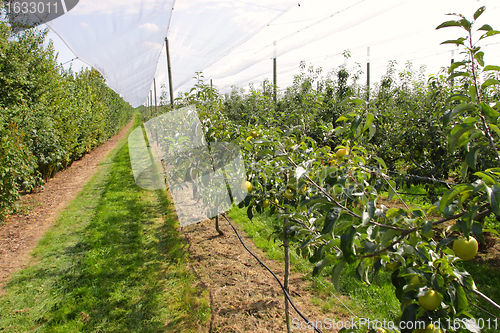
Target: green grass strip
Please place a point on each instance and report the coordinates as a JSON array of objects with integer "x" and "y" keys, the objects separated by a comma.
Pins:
[{"x": 114, "y": 261}]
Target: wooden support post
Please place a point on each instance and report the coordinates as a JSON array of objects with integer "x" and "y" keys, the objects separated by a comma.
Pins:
[
  {"x": 275, "y": 80},
  {"x": 286, "y": 249},
  {"x": 169, "y": 67},
  {"x": 368, "y": 75},
  {"x": 156, "y": 100},
  {"x": 452, "y": 61}
]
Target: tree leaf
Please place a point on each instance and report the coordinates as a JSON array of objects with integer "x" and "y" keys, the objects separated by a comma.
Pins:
[
  {"x": 250, "y": 213},
  {"x": 479, "y": 56},
  {"x": 491, "y": 68},
  {"x": 265, "y": 152},
  {"x": 457, "y": 42},
  {"x": 330, "y": 219},
  {"x": 489, "y": 82},
  {"x": 347, "y": 244},
  {"x": 314, "y": 200},
  {"x": 449, "y": 24},
  {"x": 463, "y": 277},
  {"x": 449, "y": 195},
  {"x": 457, "y": 74},
  {"x": 455, "y": 65},
  {"x": 444, "y": 241},
  {"x": 459, "y": 109},
  {"x": 479, "y": 12},
  {"x": 465, "y": 24},
  {"x": 356, "y": 101},
  {"x": 327, "y": 261},
  {"x": 392, "y": 213},
  {"x": 391, "y": 190},
  {"x": 494, "y": 198},
  {"x": 417, "y": 212},
  {"x": 457, "y": 132},
  {"x": 492, "y": 33},
  {"x": 489, "y": 33},
  {"x": 486, "y": 27},
  {"x": 495, "y": 128},
  {"x": 458, "y": 97},
  {"x": 409, "y": 315},
  {"x": 368, "y": 212},
  {"x": 369, "y": 124},
  {"x": 471, "y": 157},
  {"x": 485, "y": 177},
  {"x": 488, "y": 111},
  {"x": 336, "y": 274},
  {"x": 463, "y": 169}
]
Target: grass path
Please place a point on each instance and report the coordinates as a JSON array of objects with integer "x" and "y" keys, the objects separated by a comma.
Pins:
[{"x": 114, "y": 261}]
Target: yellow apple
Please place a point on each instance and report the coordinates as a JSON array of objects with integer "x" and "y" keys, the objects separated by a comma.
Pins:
[
  {"x": 246, "y": 186},
  {"x": 341, "y": 153},
  {"x": 465, "y": 249},
  {"x": 417, "y": 281},
  {"x": 288, "y": 194},
  {"x": 430, "y": 301},
  {"x": 431, "y": 329}
]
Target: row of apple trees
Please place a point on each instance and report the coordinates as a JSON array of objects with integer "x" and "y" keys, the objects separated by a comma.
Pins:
[
  {"x": 322, "y": 154},
  {"x": 49, "y": 117}
]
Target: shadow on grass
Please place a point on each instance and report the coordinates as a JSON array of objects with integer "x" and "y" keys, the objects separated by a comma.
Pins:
[{"x": 125, "y": 273}]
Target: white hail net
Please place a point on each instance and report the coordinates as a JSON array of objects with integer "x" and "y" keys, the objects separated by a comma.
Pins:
[{"x": 233, "y": 41}]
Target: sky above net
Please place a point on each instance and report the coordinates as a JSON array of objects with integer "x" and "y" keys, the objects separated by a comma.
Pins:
[{"x": 233, "y": 42}]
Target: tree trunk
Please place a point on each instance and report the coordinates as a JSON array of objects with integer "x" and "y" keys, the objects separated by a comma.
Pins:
[{"x": 287, "y": 271}]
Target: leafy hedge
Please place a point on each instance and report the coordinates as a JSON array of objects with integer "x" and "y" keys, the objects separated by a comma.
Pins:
[{"x": 49, "y": 117}]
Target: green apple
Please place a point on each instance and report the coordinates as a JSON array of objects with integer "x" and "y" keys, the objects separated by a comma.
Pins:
[
  {"x": 430, "y": 301},
  {"x": 465, "y": 249}
]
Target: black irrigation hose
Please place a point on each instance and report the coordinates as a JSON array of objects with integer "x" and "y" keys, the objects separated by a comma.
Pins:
[
  {"x": 416, "y": 194},
  {"x": 274, "y": 275}
]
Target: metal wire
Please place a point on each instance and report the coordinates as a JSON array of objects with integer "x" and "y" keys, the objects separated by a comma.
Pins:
[{"x": 69, "y": 61}]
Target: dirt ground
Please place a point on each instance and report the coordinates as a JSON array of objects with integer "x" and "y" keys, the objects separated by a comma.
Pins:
[{"x": 244, "y": 296}]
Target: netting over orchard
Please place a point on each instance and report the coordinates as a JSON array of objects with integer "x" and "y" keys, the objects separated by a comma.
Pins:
[{"x": 232, "y": 41}]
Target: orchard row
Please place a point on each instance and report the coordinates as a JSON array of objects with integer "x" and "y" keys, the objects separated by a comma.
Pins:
[
  {"x": 324, "y": 155},
  {"x": 49, "y": 117}
]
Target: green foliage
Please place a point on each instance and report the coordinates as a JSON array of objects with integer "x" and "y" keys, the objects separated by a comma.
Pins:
[
  {"x": 17, "y": 167},
  {"x": 48, "y": 117}
]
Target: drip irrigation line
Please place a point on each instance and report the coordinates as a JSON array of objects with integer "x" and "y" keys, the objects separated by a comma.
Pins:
[
  {"x": 274, "y": 275},
  {"x": 415, "y": 194},
  {"x": 321, "y": 282},
  {"x": 412, "y": 176},
  {"x": 422, "y": 177}
]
